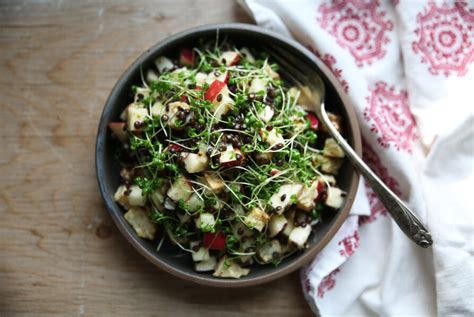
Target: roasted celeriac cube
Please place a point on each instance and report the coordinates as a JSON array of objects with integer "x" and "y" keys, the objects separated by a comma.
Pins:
[
  {"x": 195, "y": 162},
  {"x": 229, "y": 268},
  {"x": 332, "y": 149},
  {"x": 272, "y": 137},
  {"x": 256, "y": 219},
  {"x": 163, "y": 64},
  {"x": 267, "y": 251},
  {"x": 277, "y": 224},
  {"x": 180, "y": 189},
  {"x": 136, "y": 197},
  {"x": 157, "y": 110},
  {"x": 194, "y": 203},
  {"x": 245, "y": 53},
  {"x": 307, "y": 196},
  {"x": 120, "y": 196},
  {"x": 285, "y": 197},
  {"x": 335, "y": 197},
  {"x": 202, "y": 254},
  {"x": 205, "y": 221},
  {"x": 258, "y": 85},
  {"x": 299, "y": 235},
  {"x": 135, "y": 116},
  {"x": 207, "y": 265},
  {"x": 327, "y": 164},
  {"x": 138, "y": 218},
  {"x": 173, "y": 109},
  {"x": 214, "y": 182},
  {"x": 266, "y": 114}
]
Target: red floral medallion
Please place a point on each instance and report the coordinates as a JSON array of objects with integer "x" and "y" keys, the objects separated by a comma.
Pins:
[
  {"x": 446, "y": 38},
  {"x": 349, "y": 244},
  {"x": 327, "y": 283},
  {"x": 390, "y": 117},
  {"x": 359, "y": 26},
  {"x": 376, "y": 207}
]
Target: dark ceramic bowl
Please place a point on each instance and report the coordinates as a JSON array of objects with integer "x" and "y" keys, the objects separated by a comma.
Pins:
[{"x": 108, "y": 169}]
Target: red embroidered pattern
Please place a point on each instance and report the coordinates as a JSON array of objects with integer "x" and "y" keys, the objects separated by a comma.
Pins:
[
  {"x": 349, "y": 244},
  {"x": 390, "y": 117},
  {"x": 376, "y": 207},
  {"x": 327, "y": 283},
  {"x": 358, "y": 26},
  {"x": 330, "y": 61},
  {"x": 446, "y": 38}
]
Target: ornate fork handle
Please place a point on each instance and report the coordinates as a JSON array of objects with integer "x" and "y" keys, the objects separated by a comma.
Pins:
[{"x": 410, "y": 224}]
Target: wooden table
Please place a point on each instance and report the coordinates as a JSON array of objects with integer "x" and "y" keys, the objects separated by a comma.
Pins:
[{"x": 60, "y": 253}]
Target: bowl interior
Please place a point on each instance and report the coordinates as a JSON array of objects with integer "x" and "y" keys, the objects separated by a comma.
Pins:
[{"x": 172, "y": 258}]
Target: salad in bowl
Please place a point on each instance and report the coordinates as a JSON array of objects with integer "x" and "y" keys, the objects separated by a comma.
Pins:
[{"x": 219, "y": 156}]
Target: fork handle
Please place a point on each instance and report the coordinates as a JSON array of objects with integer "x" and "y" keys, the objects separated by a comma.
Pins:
[{"x": 406, "y": 219}]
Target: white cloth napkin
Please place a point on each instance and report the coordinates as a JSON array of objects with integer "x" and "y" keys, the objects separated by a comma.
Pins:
[{"x": 408, "y": 68}]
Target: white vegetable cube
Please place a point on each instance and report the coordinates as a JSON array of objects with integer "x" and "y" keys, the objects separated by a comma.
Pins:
[
  {"x": 229, "y": 268},
  {"x": 118, "y": 128},
  {"x": 138, "y": 218},
  {"x": 307, "y": 196},
  {"x": 135, "y": 114},
  {"x": 136, "y": 198},
  {"x": 327, "y": 164},
  {"x": 299, "y": 235},
  {"x": 267, "y": 250},
  {"x": 277, "y": 224},
  {"x": 202, "y": 254},
  {"x": 201, "y": 78},
  {"x": 173, "y": 109},
  {"x": 335, "y": 197},
  {"x": 195, "y": 162},
  {"x": 245, "y": 53},
  {"x": 290, "y": 226},
  {"x": 283, "y": 198},
  {"x": 229, "y": 58},
  {"x": 266, "y": 114},
  {"x": 230, "y": 156},
  {"x": 194, "y": 203},
  {"x": 120, "y": 196},
  {"x": 157, "y": 198},
  {"x": 151, "y": 76},
  {"x": 256, "y": 219},
  {"x": 222, "y": 104},
  {"x": 216, "y": 76},
  {"x": 332, "y": 149},
  {"x": 215, "y": 183},
  {"x": 207, "y": 265},
  {"x": 163, "y": 64},
  {"x": 270, "y": 72},
  {"x": 273, "y": 137},
  {"x": 157, "y": 110},
  {"x": 330, "y": 179},
  {"x": 180, "y": 189},
  {"x": 205, "y": 221},
  {"x": 257, "y": 85}
]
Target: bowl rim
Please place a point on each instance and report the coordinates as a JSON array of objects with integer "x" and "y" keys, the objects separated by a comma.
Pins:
[{"x": 153, "y": 257}]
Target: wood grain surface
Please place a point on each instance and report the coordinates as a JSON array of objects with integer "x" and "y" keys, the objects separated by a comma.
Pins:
[{"x": 60, "y": 253}]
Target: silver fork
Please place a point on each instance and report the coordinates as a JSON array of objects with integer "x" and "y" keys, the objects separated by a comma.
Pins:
[{"x": 406, "y": 219}]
